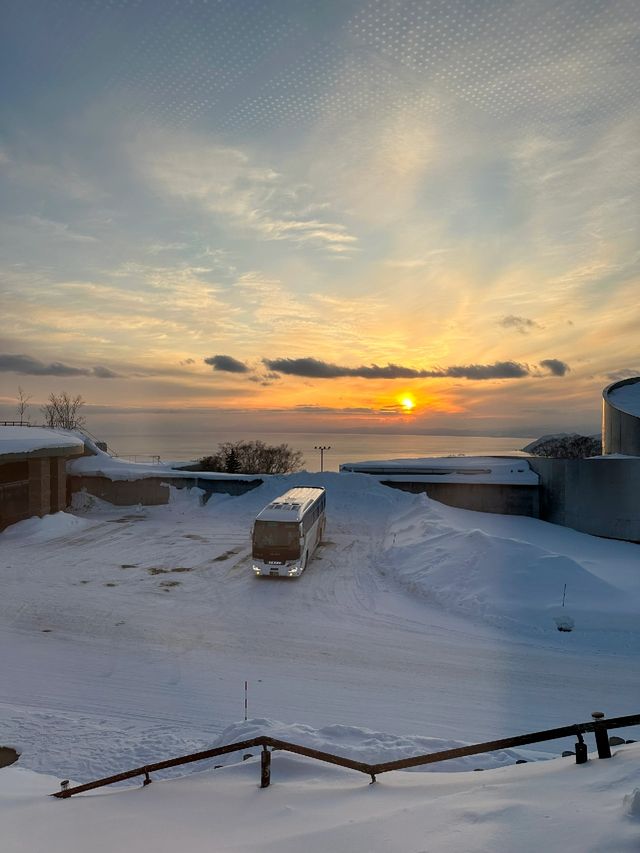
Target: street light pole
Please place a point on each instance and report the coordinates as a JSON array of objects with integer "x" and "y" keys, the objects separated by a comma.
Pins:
[{"x": 322, "y": 448}]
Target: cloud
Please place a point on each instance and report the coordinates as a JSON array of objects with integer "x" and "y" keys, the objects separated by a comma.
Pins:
[
  {"x": 156, "y": 248},
  {"x": 313, "y": 368},
  {"x": 25, "y": 364},
  {"x": 105, "y": 373},
  {"x": 521, "y": 324},
  {"x": 231, "y": 186},
  {"x": 555, "y": 366},
  {"x": 623, "y": 373},
  {"x": 227, "y": 364},
  {"x": 56, "y": 230}
]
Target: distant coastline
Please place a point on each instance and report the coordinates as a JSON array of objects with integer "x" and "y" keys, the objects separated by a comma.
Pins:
[{"x": 345, "y": 447}]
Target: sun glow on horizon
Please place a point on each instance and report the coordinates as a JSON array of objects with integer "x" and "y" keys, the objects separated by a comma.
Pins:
[{"x": 408, "y": 403}]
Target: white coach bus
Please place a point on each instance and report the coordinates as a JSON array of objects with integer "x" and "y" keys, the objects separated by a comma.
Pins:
[{"x": 287, "y": 532}]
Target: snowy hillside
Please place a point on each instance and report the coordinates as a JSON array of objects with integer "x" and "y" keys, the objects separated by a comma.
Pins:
[{"x": 128, "y": 634}]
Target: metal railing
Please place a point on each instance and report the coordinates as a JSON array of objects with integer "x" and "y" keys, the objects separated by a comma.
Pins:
[{"x": 598, "y": 725}]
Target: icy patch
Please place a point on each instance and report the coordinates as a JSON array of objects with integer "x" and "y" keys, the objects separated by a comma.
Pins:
[{"x": 37, "y": 529}]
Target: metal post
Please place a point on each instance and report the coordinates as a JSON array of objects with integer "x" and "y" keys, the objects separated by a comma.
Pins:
[
  {"x": 265, "y": 768},
  {"x": 602, "y": 736},
  {"x": 322, "y": 448},
  {"x": 581, "y": 750}
]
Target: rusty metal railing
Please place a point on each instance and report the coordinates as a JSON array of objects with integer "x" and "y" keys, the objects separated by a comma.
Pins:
[{"x": 598, "y": 725}]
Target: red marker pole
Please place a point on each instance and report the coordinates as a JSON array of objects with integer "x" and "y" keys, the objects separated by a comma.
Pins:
[{"x": 245, "y": 700}]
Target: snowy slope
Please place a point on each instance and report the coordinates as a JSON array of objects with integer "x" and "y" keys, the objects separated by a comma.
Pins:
[{"x": 128, "y": 633}]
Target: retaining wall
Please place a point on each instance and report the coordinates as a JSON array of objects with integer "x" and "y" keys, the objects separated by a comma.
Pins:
[
  {"x": 151, "y": 491},
  {"x": 506, "y": 499},
  {"x": 599, "y": 496}
]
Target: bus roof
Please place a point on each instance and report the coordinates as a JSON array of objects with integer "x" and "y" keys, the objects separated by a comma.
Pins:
[{"x": 292, "y": 505}]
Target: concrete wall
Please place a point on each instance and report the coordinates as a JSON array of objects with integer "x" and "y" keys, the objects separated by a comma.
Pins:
[
  {"x": 33, "y": 486},
  {"x": 152, "y": 491},
  {"x": 620, "y": 430},
  {"x": 14, "y": 492},
  {"x": 507, "y": 499},
  {"x": 598, "y": 496}
]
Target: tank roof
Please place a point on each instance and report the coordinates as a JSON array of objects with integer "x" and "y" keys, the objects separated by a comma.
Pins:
[{"x": 624, "y": 395}]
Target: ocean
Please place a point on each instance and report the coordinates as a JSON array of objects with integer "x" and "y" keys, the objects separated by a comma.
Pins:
[{"x": 343, "y": 447}]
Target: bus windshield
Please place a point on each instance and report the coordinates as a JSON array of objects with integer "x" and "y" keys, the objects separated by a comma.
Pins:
[{"x": 284, "y": 535}]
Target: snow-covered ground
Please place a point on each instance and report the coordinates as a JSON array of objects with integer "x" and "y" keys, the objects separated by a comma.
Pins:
[
  {"x": 554, "y": 806},
  {"x": 127, "y": 635}
]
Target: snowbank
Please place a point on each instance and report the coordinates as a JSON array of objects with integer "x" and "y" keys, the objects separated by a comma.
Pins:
[
  {"x": 361, "y": 744},
  {"x": 48, "y": 527},
  {"x": 503, "y": 580},
  {"x": 554, "y": 805}
]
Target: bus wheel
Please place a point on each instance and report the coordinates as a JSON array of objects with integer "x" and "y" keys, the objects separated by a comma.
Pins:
[{"x": 305, "y": 561}]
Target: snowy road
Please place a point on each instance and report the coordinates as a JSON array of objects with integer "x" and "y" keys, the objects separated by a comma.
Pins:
[{"x": 127, "y": 635}]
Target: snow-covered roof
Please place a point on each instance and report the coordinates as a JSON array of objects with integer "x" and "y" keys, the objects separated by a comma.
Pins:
[
  {"x": 102, "y": 464},
  {"x": 626, "y": 397},
  {"x": 19, "y": 441},
  {"x": 495, "y": 470},
  {"x": 292, "y": 505}
]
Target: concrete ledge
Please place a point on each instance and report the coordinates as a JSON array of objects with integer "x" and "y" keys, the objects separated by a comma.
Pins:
[{"x": 153, "y": 491}]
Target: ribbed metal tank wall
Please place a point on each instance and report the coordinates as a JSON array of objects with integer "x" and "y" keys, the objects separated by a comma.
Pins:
[{"x": 620, "y": 429}]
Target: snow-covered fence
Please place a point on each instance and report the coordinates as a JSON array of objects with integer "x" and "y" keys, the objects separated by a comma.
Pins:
[{"x": 598, "y": 725}]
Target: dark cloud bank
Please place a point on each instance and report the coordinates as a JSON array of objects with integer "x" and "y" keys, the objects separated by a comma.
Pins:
[
  {"x": 32, "y": 367},
  {"x": 313, "y": 368},
  {"x": 227, "y": 364}
]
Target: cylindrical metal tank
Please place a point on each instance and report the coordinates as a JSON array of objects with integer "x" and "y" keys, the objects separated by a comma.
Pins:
[{"x": 621, "y": 417}]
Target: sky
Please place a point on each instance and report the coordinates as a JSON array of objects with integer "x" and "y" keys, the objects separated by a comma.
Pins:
[{"x": 375, "y": 215}]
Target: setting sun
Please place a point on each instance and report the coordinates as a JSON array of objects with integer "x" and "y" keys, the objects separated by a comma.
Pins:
[{"x": 408, "y": 403}]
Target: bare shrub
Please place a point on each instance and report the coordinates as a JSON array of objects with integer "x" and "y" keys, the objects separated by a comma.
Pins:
[
  {"x": 253, "y": 457},
  {"x": 63, "y": 411}
]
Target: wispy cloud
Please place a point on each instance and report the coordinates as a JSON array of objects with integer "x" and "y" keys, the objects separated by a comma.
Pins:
[
  {"x": 229, "y": 184},
  {"x": 53, "y": 229},
  {"x": 520, "y": 324}
]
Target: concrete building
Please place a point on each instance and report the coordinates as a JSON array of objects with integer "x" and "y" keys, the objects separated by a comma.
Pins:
[
  {"x": 621, "y": 417},
  {"x": 501, "y": 484},
  {"x": 33, "y": 477}
]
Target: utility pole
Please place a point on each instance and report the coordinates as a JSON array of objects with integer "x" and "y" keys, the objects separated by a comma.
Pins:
[{"x": 322, "y": 448}]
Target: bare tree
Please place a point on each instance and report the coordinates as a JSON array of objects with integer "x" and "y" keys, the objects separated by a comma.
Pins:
[
  {"x": 23, "y": 405},
  {"x": 63, "y": 411},
  {"x": 253, "y": 457}
]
